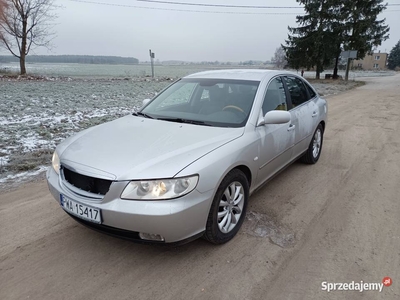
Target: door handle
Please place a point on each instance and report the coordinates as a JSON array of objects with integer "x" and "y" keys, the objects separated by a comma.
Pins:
[
  {"x": 314, "y": 114},
  {"x": 291, "y": 127}
]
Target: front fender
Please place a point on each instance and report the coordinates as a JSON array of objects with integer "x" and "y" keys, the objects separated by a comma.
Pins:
[{"x": 213, "y": 167}]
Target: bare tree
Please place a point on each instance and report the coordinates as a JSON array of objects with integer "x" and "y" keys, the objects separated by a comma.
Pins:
[
  {"x": 279, "y": 58},
  {"x": 2, "y": 9},
  {"x": 2, "y": 5},
  {"x": 25, "y": 24}
]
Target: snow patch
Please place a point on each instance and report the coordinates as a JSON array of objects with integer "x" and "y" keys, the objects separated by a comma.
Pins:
[{"x": 23, "y": 175}]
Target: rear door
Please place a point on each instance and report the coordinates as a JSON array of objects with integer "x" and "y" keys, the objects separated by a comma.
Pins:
[{"x": 304, "y": 112}]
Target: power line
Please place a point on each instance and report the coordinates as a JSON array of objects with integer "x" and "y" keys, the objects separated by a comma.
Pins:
[
  {"x": 219, "y": 5},
  {"x": 201, "y": 11},
  {"x": 184, "y": 10}
]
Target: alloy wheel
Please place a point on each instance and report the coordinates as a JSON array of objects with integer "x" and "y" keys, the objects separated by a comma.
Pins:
[
  {"x": 230, "y": 207},
  {"x": 317, "y": 141}
]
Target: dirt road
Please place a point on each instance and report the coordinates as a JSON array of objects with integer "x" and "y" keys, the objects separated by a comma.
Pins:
[{"x": 344, "y": 213}]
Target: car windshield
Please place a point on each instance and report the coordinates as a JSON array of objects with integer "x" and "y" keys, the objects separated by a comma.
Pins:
[{"x": 209, "y": 102}]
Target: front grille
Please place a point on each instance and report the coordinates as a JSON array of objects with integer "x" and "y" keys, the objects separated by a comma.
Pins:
[{"x": 86, "y": 183}]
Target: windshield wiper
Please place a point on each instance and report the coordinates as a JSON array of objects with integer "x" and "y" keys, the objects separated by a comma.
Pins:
[
  {"x": 138, "y": 113},
  {"x": 186, "y": 121}
]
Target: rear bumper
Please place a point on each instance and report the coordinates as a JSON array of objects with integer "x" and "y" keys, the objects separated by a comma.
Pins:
[{"x": 175, "y": 220}]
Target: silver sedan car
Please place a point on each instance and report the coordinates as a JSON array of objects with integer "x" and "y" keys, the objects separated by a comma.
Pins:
[{"x": 185, "y": 164}]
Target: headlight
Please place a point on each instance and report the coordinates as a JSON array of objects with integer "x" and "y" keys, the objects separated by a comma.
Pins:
[
  {"x": 55, "y": 161},
  {"x": 161, "y": 189}
]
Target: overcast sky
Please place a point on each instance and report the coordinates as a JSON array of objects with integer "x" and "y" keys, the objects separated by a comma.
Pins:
[{"x": 96, "y": 29}]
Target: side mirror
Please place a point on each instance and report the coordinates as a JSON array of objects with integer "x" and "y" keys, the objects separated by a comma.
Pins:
[
  {"x": 145, "y": 101},
  {"x": 275, "y": 117}
]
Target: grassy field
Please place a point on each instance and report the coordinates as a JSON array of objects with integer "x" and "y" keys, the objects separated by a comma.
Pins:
[
  {"x": 37, "y": 115},
  {"x": 142, "y": 70},
  {"x": 108, "y": 71}
]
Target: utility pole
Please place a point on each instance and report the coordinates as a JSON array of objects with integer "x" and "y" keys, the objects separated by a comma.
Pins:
[
  {"x": 346, "y": 77},
  {"x": 349, "y": 55},
  {"x": 152, "y": 56}
]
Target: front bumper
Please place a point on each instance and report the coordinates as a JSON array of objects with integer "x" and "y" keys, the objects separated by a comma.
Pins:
[{"x": 175, "y": 220}]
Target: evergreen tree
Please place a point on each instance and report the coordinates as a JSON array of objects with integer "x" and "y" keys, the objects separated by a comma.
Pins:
[
  {"x": 394, "y": 57},
  {"x": 363, "y": 30},
  {"x": 310, "y": 44},
  {"x": 355, "y": 26},
  {"x": 330, "y": 26},
  {"x": 337, "y": 25}
]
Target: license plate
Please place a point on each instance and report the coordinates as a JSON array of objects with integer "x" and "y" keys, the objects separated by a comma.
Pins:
[{"x": 80, "y": 210}]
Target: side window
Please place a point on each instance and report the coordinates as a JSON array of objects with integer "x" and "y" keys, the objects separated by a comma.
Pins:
[
  {"x": 310, "y": 91},
  {"x": 297, "y": 90},
  {"x": 275, "y": 97}
]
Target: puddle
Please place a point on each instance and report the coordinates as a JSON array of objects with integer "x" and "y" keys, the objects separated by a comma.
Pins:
[{"x": 260, "y": 225}]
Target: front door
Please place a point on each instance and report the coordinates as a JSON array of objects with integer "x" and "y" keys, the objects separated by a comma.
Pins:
[{"x": 276, "y": 140}]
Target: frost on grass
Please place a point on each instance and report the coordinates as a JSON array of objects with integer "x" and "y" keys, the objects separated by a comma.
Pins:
[
  {"x": 22, "y": 175},
  {"x": 333, "y": 87},
  {"x": 35, "y": 116}
]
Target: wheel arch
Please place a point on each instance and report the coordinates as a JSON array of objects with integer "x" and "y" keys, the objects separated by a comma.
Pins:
[
  {"x": 323, "y": 125},
  {"x": 247, "y": 172}
]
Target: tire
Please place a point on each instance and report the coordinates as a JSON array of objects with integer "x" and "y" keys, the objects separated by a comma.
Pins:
[
  {"x": 311, "y": 156},
  {"x": 229, "y": 205}
]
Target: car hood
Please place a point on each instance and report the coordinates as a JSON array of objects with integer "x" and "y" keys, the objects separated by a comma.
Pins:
[{"x": 137, "y": 148}]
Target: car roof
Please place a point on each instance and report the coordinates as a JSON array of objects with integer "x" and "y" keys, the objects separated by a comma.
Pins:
[{"x": 238, "y": 74}]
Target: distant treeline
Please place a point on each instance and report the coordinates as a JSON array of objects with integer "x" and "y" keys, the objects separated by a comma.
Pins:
[{"x": 76, "y": 59}]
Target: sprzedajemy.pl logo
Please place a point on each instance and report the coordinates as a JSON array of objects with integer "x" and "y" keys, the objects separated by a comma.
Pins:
[{"x": 356, "y": 286}]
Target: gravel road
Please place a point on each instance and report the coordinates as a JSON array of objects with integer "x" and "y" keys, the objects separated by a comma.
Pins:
[{"x": 343, "y": 214}]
